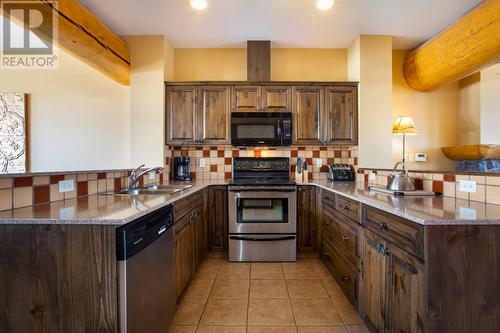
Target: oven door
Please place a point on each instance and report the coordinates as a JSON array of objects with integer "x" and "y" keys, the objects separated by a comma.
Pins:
[
  {"x": 262, "y": 211},
  {"x": 256, "y": 129}
]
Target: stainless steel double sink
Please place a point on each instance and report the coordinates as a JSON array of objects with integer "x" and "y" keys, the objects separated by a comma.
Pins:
[{"x": 153, "y": 189}]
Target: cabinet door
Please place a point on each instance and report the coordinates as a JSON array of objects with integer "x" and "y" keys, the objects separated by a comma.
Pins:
[
  {"x": 306, "y": 218},
  {"x": 183, "y": 252},
  {"x": 341, "y": 115},
  {"x": 246, "y": 98},
  {"x": 277, "y": 98},
  {"x": 213, "y": 115},
  {"x": 217, "y": 218},
  {"x": 181, "y": 113},
  {"x": 374, "y": 281},
  {"x": 308, "y": 115},
  {"x": 405, "y": 294},
  {"x": 199, "y": 227}
]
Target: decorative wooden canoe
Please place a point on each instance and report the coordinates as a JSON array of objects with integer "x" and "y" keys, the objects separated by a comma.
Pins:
[{"x": 472, "y": 152}]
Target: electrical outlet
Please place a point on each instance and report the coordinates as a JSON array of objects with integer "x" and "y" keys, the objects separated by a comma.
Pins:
[
  {"x": 67, "y": 212},
  {"x": 319, "y": 162},
  {"x": 467, "y": 186},
  {"x": 467, "y": 213},
  {"x": 372, "y": 176},
  {"x": 66, "y": 185},
  {"x": 202, "y": 162},
  {"x": 152, "y": 175}
]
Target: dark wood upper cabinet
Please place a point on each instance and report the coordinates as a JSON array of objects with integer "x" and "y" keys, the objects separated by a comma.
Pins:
[
  {"x": 213, "y": 115},
  {"x": 181, "y": 113},
  {"x": 308, "y": 115},
  {"x": 246, "y": 98},
  {"x": 341, "y": 106},
  {"x": 277, "y": 98}
]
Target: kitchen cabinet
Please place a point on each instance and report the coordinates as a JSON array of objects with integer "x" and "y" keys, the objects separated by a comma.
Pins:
[
  {"x": 197, "y": 115},
  {"x": 217, "y": 218},
  {"x": 181, "y": 112},
  {"x": 200, "y": 236},
  {"x": 246, "y": 98},
  {"x": 212, "y": 118},
  {"x": 184, "y": 255},
  {"x": 306, "y": 218},
  {"x": 276, "y": 98},
  {"x": 341, "y": 119},
  {"x": 308, "y": 115}
]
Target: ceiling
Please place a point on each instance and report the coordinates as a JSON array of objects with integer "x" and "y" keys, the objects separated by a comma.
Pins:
[{"x": 287, "y": 23}]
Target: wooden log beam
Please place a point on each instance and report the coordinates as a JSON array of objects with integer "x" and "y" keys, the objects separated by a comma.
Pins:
[
  {"x": 465, "y": 47},
  {"x": 82, "y": 34}
]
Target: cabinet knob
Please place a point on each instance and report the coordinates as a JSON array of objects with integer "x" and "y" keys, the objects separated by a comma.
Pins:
[
  {"x": 325, "y": 197},
  {"x": 345, "y": 278},
  {"x": 381, "y": 225},
  {"x": 327, "y": 222},
  {"x": 345, "y": 238},
  {"x": 345, "y": 207}
]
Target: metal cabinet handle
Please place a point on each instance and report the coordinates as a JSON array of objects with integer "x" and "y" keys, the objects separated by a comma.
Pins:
[
  {"x": 345, "y": 238},
  {"x": 328, "y": 222},
  {"x": 345, "y": 278},
  {"x": 381, "y": 225},
  {"x": 325, "y": 197},
  {"x": 345, "y": 207}
]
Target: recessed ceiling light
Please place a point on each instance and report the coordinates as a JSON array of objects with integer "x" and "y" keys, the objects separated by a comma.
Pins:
[
  {"x": 325, "y": 4},
  {"x": 199, "y": 4}
]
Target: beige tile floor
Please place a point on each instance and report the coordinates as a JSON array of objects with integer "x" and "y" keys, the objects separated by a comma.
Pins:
[{"x": 265, "y": 297}]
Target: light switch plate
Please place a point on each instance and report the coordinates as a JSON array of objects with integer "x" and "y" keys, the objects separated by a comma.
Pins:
[
  {"x": 152, "y": 175},
  {"x": 66, "y": 185},
  {"x": 319, "y": 162},
  {"x": 202, "y": 162},
  {"x": 468, "y": 186}
]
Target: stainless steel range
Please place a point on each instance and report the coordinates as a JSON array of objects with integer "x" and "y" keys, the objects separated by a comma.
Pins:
[{"x": 262, "y": 211}]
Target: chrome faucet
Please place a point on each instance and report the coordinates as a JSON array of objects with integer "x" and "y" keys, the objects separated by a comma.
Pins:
[{"x": 136, "y": 175}]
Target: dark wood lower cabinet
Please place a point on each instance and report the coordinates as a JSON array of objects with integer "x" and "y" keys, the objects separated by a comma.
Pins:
[
  {"x": 217, "y": 218},
  {"x": 306, "y": 218},
  {"x": 184, "y": 252}
]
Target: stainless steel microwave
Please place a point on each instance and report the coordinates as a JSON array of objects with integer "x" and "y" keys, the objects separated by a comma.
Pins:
[{"x": 261, "y": 129}]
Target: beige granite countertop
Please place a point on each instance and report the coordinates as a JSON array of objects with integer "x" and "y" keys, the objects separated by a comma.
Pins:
[{"x": 108, "y": 209}]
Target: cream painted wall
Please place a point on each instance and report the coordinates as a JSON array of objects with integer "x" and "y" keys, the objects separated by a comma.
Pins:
[
  {"x": 435, "y": 115},
  {"x": 370, "y": 63},
  {"x": 168, "y": 60},
  {"x": 210, "y": 64},
  {"x": 469, "y": 118},
  {"x": 490, "y": 105},
  {"x": 148, "y": 70},
  {"x": 79, "y": 118},
  {"x": 286, "y": 64}
]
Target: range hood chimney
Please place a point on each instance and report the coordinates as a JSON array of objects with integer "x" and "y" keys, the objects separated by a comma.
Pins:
[{"x": 259, "y": 60}]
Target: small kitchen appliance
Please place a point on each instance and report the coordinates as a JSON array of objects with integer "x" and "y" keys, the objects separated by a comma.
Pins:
[
  {"x": 262, "y": 210},
  {"x": 341, "y": 172},
  {"x": 180, "y": 169},
  {"x": 400, "y": 180}
]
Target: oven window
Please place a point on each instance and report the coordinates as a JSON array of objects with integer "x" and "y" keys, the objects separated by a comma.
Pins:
[
  {"x": 255, "y": 131},
  {"x": 262, "y": 210}
]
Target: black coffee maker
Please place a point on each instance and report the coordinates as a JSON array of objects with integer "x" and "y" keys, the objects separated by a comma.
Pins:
[{"x": 180, "y": 169}]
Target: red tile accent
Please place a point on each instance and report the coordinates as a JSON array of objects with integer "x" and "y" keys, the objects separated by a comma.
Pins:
[
  {"x": 220, "y": 153},
  {"x": 56, "y": 179},
  {"x": 41, "y": 194},
  {"x": 337, "y": 154},
  {"x": 101, "y": 175},
  {"x": 118, "y": 183},
  {"x": 309, "y": 162},
  {"x": 449, "y": 178},
  {"x": 330, "y": 160},
  {"x": 82, "y": 188},
  {"x": 349, "y": 154},
  {"x": 23, "y": 181},
  {"x": 301, "y": 148},
  {"x": 213, "y": 148},
  {"x": 324, "y": 168},
  {"x": 257, "y": 153},
  {"x": 437, "y": 186},
  {"x": 293, "y": 153},
  {"x": 315, "y": 153},
  {"x": 236, "y": 153},
  {"x": 366, "y": 178},
  {"x": 322, "y": 148},
  {"x": 419, "y": 183},
  {"x": 206, "y": 153},
  {"x": 228, "y": 161},
  {"x": 355, "y": 161},
  {"x": 293, "y": 168},
  {"x": 193, "y": 175},
  {"x": 213, "y": 168},
  {"x": 228, "y": 175}
]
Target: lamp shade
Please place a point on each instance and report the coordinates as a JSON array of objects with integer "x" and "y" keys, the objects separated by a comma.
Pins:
[{"x": 404, "y": 125}]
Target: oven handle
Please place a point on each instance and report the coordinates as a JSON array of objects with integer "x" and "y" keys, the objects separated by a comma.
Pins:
[
  {"x": 256, "y": 239},
  {"x": 262, "y": 189}
]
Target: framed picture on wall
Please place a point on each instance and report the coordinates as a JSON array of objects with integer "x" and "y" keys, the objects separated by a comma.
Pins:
[{"x": 13, "y": 133}]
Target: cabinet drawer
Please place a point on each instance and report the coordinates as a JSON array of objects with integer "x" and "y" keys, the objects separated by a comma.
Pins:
[
  {"x": 343, "y": 233},
  {"x": 348, "y": 207},
  {"x": 328, "y": 198},
  {"x": 405, "y": 234},
  {"x": 342, "y": 271},
  {"x": 184, "y": 206}
]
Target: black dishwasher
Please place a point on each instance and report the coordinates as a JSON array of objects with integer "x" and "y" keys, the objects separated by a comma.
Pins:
[{"x": 146, "y": 287}]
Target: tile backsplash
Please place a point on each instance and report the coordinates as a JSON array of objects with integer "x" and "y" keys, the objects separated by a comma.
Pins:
[
  {"x": 487, "y": 185},
  {"x": 219, "y": 164}
]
